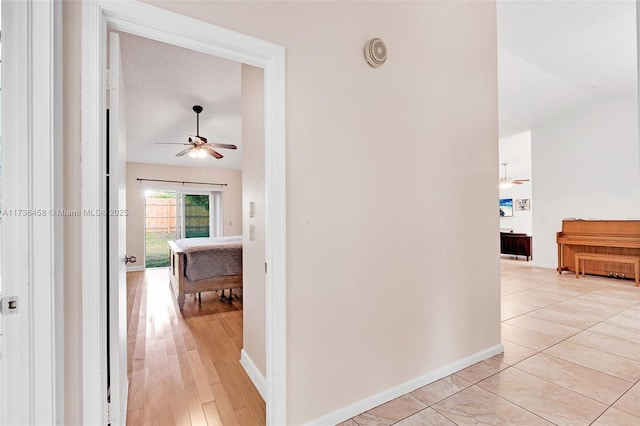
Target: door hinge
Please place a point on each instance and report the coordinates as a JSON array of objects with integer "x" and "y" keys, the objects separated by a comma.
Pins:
[
  {"x": 108, "y": 78},
  {"x": 9, "y": 305},
  {"x": 265, "y": 267}
]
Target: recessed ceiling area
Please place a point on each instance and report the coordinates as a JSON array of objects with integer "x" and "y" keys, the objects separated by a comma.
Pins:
[
  {"x": 162, "y": 84},
  {"x": 558, "y": 56}
]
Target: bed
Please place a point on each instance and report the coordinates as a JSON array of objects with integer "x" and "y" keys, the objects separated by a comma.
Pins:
[{"x": 205, "y": 264}]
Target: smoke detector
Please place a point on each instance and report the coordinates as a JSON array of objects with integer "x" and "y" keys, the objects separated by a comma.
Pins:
[{"x": 375, "y": 52}]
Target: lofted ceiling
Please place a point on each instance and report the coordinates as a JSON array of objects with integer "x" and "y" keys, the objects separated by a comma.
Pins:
[
  {"x": 559, "y": 56},
  {"x": 555, "y": 57},
  {"x": 162, "y": 83}
]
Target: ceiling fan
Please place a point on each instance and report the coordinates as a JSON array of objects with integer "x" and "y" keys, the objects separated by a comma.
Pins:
[
  {"x": 199, "y": 147},
  {"x": 506, "y": 182}
]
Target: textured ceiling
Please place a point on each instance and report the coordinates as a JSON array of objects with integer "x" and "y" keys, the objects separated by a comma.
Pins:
[
  {"x": 162, "y": 83},
  {"x": 558, "y": 56}
]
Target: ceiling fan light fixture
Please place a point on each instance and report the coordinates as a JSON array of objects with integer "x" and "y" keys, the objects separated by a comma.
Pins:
[
  {"x": 505, "y": 184},
  {"x": 197, "y": 152},
  {"x": 200, "y": 147}
]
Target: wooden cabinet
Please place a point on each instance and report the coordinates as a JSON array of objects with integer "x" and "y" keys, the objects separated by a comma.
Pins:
[{"x": 515, "y": 244}]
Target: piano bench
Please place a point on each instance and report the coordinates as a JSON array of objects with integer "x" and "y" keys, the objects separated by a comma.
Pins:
[{"x": 635, "y": 260}]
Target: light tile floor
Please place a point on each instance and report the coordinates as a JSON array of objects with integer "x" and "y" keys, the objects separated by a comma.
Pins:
[{"x": 572, "y": 357}]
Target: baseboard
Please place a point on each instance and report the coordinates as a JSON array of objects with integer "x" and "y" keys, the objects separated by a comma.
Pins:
[
  {"x": 354, "y": 409},
  {"x": 135, "y": 268},
  {"x": 254, "y": 374},
  {"x": 123, "y": 416}
]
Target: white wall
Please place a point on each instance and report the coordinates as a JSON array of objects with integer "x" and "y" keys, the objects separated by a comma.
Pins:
[
  {"x": 585, "y": 165},
  {"x": 638, "y": 75},
  {"x": 231, "y": 198},
  {"x": 253, "y": 255},
  {"x": 515, "y": 150},
  {"x": 522, "y": 220},
  {"x": 384, "y": 169},
  {"x": 378, "y": 164}
]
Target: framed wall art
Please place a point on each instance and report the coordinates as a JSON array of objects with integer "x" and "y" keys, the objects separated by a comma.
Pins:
[
  {"x": 523, "y": 204},
  {"x": 506, "y": 207}
]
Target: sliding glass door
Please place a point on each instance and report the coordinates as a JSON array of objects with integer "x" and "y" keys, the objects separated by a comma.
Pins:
[
  {"x": 171, "y": 215},
  {"x": 197, "y": 217},
  {"x": 160, "y": 226},
  {"x": 199, "y": 214}
]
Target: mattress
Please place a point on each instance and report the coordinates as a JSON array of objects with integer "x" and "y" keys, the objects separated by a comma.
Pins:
[{"x": 212, "y": 257}]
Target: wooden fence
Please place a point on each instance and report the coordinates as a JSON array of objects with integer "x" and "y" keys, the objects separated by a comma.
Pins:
[{"x": 161, "y": 215}]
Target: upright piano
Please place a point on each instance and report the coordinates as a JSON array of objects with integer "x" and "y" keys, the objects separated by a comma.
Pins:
[{"x": 619, "y": 237}]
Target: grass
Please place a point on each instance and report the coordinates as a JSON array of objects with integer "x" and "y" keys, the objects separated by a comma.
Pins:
[{"x": 157, "y": 250}]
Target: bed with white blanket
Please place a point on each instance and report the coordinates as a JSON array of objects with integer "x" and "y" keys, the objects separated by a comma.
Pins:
[{"x": 205, "y": 264}]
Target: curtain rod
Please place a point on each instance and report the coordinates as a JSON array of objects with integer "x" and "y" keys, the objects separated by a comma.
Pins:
[{"x": 180, "y": 181}]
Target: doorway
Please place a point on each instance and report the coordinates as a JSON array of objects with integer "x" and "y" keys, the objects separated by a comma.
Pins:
[
  {"x": 184, "y": 196},
  {"x": 185, "y": 32},
  {"x": 160, "y": 227}
]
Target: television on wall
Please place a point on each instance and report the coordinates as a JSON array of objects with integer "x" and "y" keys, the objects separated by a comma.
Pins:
[{"x": 506, "y": 207}]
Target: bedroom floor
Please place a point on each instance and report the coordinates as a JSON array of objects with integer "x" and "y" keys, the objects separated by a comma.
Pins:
[
  {"x": 184, "y": 369},
  {"x": 572, "y": 356}
]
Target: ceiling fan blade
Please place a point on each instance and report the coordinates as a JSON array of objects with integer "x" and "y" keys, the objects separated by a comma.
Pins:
[
  {"x": 171, "y": 143},
  {"x": 520, "y": 181},
  {"x": 223, "y": 145},
  {"x": 183, "y": 152},
  {"x": 212, "y": 152}
]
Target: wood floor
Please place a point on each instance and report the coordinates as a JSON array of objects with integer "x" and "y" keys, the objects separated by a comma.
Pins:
[{"x": 184, "y": 368}]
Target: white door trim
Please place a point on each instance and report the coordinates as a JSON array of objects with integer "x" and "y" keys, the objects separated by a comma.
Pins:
[
  {"x": 159, "y": 24},
  {"x": 31, "y": 372}
]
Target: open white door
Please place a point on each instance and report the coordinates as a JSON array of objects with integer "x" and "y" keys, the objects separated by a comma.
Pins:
[{"x": 116, "y": 216}]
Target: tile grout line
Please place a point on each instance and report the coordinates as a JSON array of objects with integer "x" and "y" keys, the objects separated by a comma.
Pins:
[
  {"x": 623, "y": 394},
  {"x": 518, "y": 405},
  {"x": 555, "y": 344},
  {"x": 580, "y": 330},
  {"x": 580, "y": 365}
]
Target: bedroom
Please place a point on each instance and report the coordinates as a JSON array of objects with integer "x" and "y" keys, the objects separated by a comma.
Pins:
[{"x": 160, "y": 117}]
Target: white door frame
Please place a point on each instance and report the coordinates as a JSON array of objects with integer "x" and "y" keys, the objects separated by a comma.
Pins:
[
  {"x": 159, "y": 24},
  {"x": 31, "y": 366}
]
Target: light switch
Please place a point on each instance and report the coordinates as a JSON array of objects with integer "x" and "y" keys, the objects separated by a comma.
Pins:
[{"x": 252, "y": 209}]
